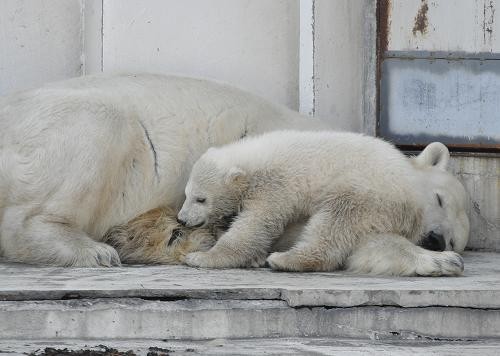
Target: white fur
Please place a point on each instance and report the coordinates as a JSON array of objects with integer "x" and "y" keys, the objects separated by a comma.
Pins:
[
  {"x": 355, "y": 191},
  {"x": 76, "y": 156}
]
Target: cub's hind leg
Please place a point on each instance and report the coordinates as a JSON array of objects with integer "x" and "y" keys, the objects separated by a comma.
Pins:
[
  {"x": 333, "y": 233},
  {"x": 323, "y": 246},
  {"x": 390, "y": 254},
  {"x": 49, "y": 240}
]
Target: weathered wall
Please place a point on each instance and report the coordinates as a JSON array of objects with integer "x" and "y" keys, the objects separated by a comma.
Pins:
[
  {"x": 441, "y": 72},
  {"x": 40, "y": 41},
  {"x": 481, "y": 177},
  {"x": 439, "y": 82},
  {"x": 451, "y": 25}
]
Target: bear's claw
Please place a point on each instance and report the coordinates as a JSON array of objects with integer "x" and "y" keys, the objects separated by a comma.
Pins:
[
  {"x": 447, "y": 263},
  {"x": 98, "y": 255}
]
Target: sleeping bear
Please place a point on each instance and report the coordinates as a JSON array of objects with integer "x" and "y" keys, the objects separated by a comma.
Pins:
[
  {"x": 366, "y": 205},
  {"x": 83, "y": 155}
]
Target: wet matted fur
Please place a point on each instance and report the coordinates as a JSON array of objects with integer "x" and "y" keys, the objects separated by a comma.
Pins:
[{"x": 155, "y": 237}]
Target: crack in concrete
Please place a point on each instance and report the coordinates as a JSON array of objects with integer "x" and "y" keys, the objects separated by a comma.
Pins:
[{"x": 281, "y": 298}]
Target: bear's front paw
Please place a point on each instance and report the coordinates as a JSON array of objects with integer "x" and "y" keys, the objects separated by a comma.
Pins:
[
  {"x": 447, "y": 263},
  {"x": 96, "y": 255}
]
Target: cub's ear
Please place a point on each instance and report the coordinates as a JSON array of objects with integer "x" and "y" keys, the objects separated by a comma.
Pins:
[
  {"x": 435, "y": 154},
  {"x": 236, "y": 177}
]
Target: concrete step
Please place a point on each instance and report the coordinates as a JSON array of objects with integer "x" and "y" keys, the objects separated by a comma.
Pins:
[
  {"x": 216, "y": 347},
  {"x": 177, "y": 302}
]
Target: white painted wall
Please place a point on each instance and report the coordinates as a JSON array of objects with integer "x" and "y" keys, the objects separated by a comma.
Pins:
[
  {"x": 92, "y": 36},
  {"x": 283, "y": 50},
  {"x": 252, "y": 44},
  {"x": 306, "y": 57},
  {"x": 340, "y": 62},
  {"x": 40, "y": 41}
]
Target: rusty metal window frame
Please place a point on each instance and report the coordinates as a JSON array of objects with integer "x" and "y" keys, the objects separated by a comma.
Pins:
[{"x": 382, "y": 53}]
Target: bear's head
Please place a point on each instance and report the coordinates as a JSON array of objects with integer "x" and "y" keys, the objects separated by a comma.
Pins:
[
  {"x": 444, "y": 198},
  {"x": 156, "y": 237},
  {"x": 213, "y": 194}
]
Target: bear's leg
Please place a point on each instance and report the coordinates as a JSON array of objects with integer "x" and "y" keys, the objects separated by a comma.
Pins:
[
  {"x": 323, "y": 246},
  {"x": 245, "y": 244},
  {"x": 45, "y": 239},
  {"x": 391, "y": 254}
]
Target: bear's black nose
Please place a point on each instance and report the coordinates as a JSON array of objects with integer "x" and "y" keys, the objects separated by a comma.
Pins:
[
  {"x": 433, "y": 242},
  {"x": 182, "y": 222}
]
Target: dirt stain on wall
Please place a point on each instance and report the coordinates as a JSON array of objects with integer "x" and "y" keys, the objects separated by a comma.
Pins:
[
  {"x": 421, "y": 22},
  {"x": 383, "y": 26},
  {"x": 488, "y": 21}
]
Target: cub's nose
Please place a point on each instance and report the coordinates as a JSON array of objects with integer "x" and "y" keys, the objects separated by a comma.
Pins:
[
  {"x": 182, "y": 222},
  {"x": 434, "y": 242}
]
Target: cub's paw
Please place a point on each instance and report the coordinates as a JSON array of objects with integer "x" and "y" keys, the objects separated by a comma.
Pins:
[
  {"x": 447, "y": 263},
  {"x": 96, "y": 255},
  {"x": 211, "y": 259},
  {"x": 202, "y": 259},
  {"x": 257, "y": 261},
  {"x": 279, "y": 261}
]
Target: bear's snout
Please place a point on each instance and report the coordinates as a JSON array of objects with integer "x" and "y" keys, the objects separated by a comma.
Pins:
[{"x": 434, "y": 242}]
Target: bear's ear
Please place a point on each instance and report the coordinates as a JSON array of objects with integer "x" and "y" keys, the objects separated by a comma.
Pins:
[
  {"x": 435, "y": 154},
  {"x": 236, "y": 177}
]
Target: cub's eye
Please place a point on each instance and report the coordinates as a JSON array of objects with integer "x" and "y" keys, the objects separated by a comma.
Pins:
[
  {"x": 200, "y": 200},
  {"x": 439, "y": 199}
]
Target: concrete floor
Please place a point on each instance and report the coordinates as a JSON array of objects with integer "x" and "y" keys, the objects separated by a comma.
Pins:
[{"x": 251, "y": 310}]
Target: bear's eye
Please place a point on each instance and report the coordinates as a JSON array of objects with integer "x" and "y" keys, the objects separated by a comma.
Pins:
[
  {"x": 176, "y": 233},
  {"x": 439, "y": 199},
  {"x": 200, "y": 200}
]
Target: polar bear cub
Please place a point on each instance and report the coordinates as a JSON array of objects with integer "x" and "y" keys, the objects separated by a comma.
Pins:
[{"x": 365, "y": 202}]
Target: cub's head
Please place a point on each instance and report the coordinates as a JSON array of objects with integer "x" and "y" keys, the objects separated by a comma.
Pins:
[
  {"x": 156, "y": 237},
  {"x": 445, "y": 199},
  {"x": 213, "y": 194}
]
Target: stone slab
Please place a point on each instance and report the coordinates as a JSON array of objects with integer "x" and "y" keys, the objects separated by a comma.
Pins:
[
  {"x": 287, "y": 346},
  {"x": 479, "y": 287},
  {"x": 196, "y": 319}
]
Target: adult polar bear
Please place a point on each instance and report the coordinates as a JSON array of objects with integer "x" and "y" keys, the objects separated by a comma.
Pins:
[
  {"x": 366, "y": 204},
  {"x": 80, "y": 156}
]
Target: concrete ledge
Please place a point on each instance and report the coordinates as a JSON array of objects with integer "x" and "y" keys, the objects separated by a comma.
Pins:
[
  {"x": 206, "y": 319},
  {"x": 176, "y": 302},
  {"x": 478, "y": 288}
]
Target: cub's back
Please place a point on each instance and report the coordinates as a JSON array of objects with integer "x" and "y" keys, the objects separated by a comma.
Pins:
[{"x": 320, "y": 151}]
